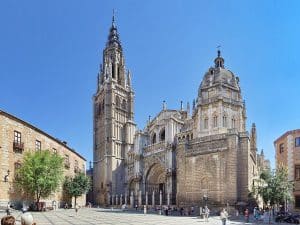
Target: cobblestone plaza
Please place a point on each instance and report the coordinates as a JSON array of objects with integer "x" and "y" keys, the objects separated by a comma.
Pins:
[{"x": 107, "y": 216}]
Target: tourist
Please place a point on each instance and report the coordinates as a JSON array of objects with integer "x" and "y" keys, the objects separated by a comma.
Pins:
[
  {"x": 206, "y": 213},
  {"x": 66, "y": 205},
  {"x": 8, "y": 220},
  {"x": 136, "y": 207},
  {"x": 27, "y": 219},
  {"x": 8, "y": 209},
  {"x": 76, "y": 208},
  {"x": 247, "y": 216},
  {"x": 223, "y": 216}
]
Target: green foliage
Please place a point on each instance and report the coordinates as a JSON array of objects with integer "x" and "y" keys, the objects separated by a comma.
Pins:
[
  {"x": 77, "y": 186},
  {"x": 274, "y": 187},
  {"x": 40, "y": 173}
]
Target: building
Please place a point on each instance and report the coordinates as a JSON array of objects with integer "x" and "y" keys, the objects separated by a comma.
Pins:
[
  {"x": 180, "y": 157},
  {"x": 18, "y": 137},
  {"x": 287, "y": 148}
]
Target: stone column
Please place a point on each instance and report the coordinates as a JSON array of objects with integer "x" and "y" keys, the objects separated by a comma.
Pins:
[
  {"x": 108, "y": 198},
  {"x": 116, "y": 199},
  {"x": 146, "y": 199},
  {"x": 112, "y": 200},
  {"x": 153, "y": 198},
  {"x": 121, "y": 200},
  {"x": 168, "y": 198},
  {"x": 140, "y": 198},
  {"x": 160, "y": 197},
  {"x": 125, "y": 199},
  {"x": 131, "y": 200}
]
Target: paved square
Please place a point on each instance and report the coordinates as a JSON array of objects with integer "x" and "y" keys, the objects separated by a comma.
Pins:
[{"x": 106, "y": 216}]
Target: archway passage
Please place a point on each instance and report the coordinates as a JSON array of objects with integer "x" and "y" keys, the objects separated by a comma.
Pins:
[{"x": 156, "y": 181}]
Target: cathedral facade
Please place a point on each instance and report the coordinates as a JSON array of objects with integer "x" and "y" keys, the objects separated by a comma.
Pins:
[{"x": 183, "y": 156}]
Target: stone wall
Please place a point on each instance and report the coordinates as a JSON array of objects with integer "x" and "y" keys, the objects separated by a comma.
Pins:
[{"x": 9, "y": 157}]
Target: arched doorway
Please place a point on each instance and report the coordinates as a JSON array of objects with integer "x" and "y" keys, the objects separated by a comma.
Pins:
[{"x": 156, "y": 182}]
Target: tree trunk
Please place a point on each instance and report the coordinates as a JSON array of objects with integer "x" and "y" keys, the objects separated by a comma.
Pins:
[{"x": 75, "y": 201}]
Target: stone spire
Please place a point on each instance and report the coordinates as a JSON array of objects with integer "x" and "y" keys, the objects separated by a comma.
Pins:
[
  {"x": 113, "y": 37},
  {"x": 128, "y": 78}
]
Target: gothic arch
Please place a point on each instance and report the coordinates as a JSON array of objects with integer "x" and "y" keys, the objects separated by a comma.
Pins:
[
  {"x": 153, "y": 138},
  {"x": 155, "y": 178},
  {"x": 162, "y": 134},
  {"x": 117, "y": 101}
]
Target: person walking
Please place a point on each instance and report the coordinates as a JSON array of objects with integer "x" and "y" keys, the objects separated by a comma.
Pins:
[
  {"x": 224, "y": 216},
  {"x": 76, "y": 208},
  {"x": 206, "y": 213},
  {"x": 247, "y": 216}
]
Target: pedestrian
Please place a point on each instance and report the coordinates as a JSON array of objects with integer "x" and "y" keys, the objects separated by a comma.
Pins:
[
  {"x": 247, "y": 216},
  {"x": 181, "y": 211},
  {"x": 223, "y": 216},
  {"x": 76, "y": 208},
  {"x": 136, "y": 207},
  {"x": 27, "y": 219},
  {"x": 66, "y": 205},
  {"x": 206, "y": 213},
  {"x": 8, "y": 209},
  {"x": 8, "y": 220}
]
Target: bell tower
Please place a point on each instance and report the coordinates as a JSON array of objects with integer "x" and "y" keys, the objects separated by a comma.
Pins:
[{"x": 113, "y": 121}]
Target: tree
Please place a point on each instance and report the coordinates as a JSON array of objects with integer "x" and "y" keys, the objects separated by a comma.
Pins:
[
  {"x": 77, "y": 186},
  {"x": 40, "y": 174},
  {"x": 274, "y": 187}
]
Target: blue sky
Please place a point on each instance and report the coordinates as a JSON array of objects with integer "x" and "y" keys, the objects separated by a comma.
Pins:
[{"x": 50, "y": 53}]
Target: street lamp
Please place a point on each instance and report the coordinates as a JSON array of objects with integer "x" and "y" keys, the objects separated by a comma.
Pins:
[{"x": 6, "y": 176}]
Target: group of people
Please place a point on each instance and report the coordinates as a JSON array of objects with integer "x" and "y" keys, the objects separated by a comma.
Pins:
[{"x": 26, "y": 219}]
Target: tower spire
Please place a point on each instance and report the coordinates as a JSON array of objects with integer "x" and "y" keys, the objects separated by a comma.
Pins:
[
  {"x": 113, "y": 19},
  {"x": 113, "y": 36}
]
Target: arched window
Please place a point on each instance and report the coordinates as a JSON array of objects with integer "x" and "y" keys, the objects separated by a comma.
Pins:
[
  {"x": 117, "y": 101},
  {"x": 205, "y": 123},
  {"x": 162, "y": 135},
  {"x": 153, "y": 139},
  {"x": 224, "y": 121},
  {"x": 233, "y": 123},
  {"x": 215, "y": 121},
  {"x": 124, "y": 105}
]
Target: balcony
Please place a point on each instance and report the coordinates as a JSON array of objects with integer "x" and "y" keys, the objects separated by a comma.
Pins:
[
  {"x": 154, "y": 147},
  {"x": 67, "y": 165},
  {"x": 18, "y": 146}
]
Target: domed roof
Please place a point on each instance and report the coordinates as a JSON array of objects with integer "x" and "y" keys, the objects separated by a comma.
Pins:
[{"x": 218, "y": 75}]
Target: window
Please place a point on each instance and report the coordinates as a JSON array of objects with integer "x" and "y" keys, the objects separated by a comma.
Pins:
[
  {"x": 233, "y": 123},
  {"x": 38, "y": 145},
  {"x": 17, "y": 167},
  {"x": 297, "y": 142},
  {"x": 297, "y": 172},
  {"x": 54, "y": 150},
  {"x": 206, "y": 123},
  {"x": 215, "y": 121},
  {"x": 154, "y": 138},
  {"x": 297, "y": 201},
  {"x": 124, "y": 105},
  {"x": 117, "y": 101},
  {"x": 281, "y": 148},
  {"x": 162, "y": 135},
  {"x": 17, "y": 137},
  {"x": 67, "y": 161},
  {"x": 224, "y": 121}
]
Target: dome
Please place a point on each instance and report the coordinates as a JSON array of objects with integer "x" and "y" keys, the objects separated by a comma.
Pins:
[{"x": 219, "y": 75}]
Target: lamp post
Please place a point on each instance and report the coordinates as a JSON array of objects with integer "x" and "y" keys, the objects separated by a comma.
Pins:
[{"x": 6, "y": 176}]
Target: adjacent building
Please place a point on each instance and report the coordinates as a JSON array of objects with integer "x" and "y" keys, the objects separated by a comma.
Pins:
[
  {"x": 287, "y": 148},
  {"x": 18, "y": 137},
  {"x": 183, "y": 156}
]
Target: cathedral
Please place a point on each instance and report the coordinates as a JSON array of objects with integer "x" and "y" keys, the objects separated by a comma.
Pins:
[{"x": 183, "y": 156}]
